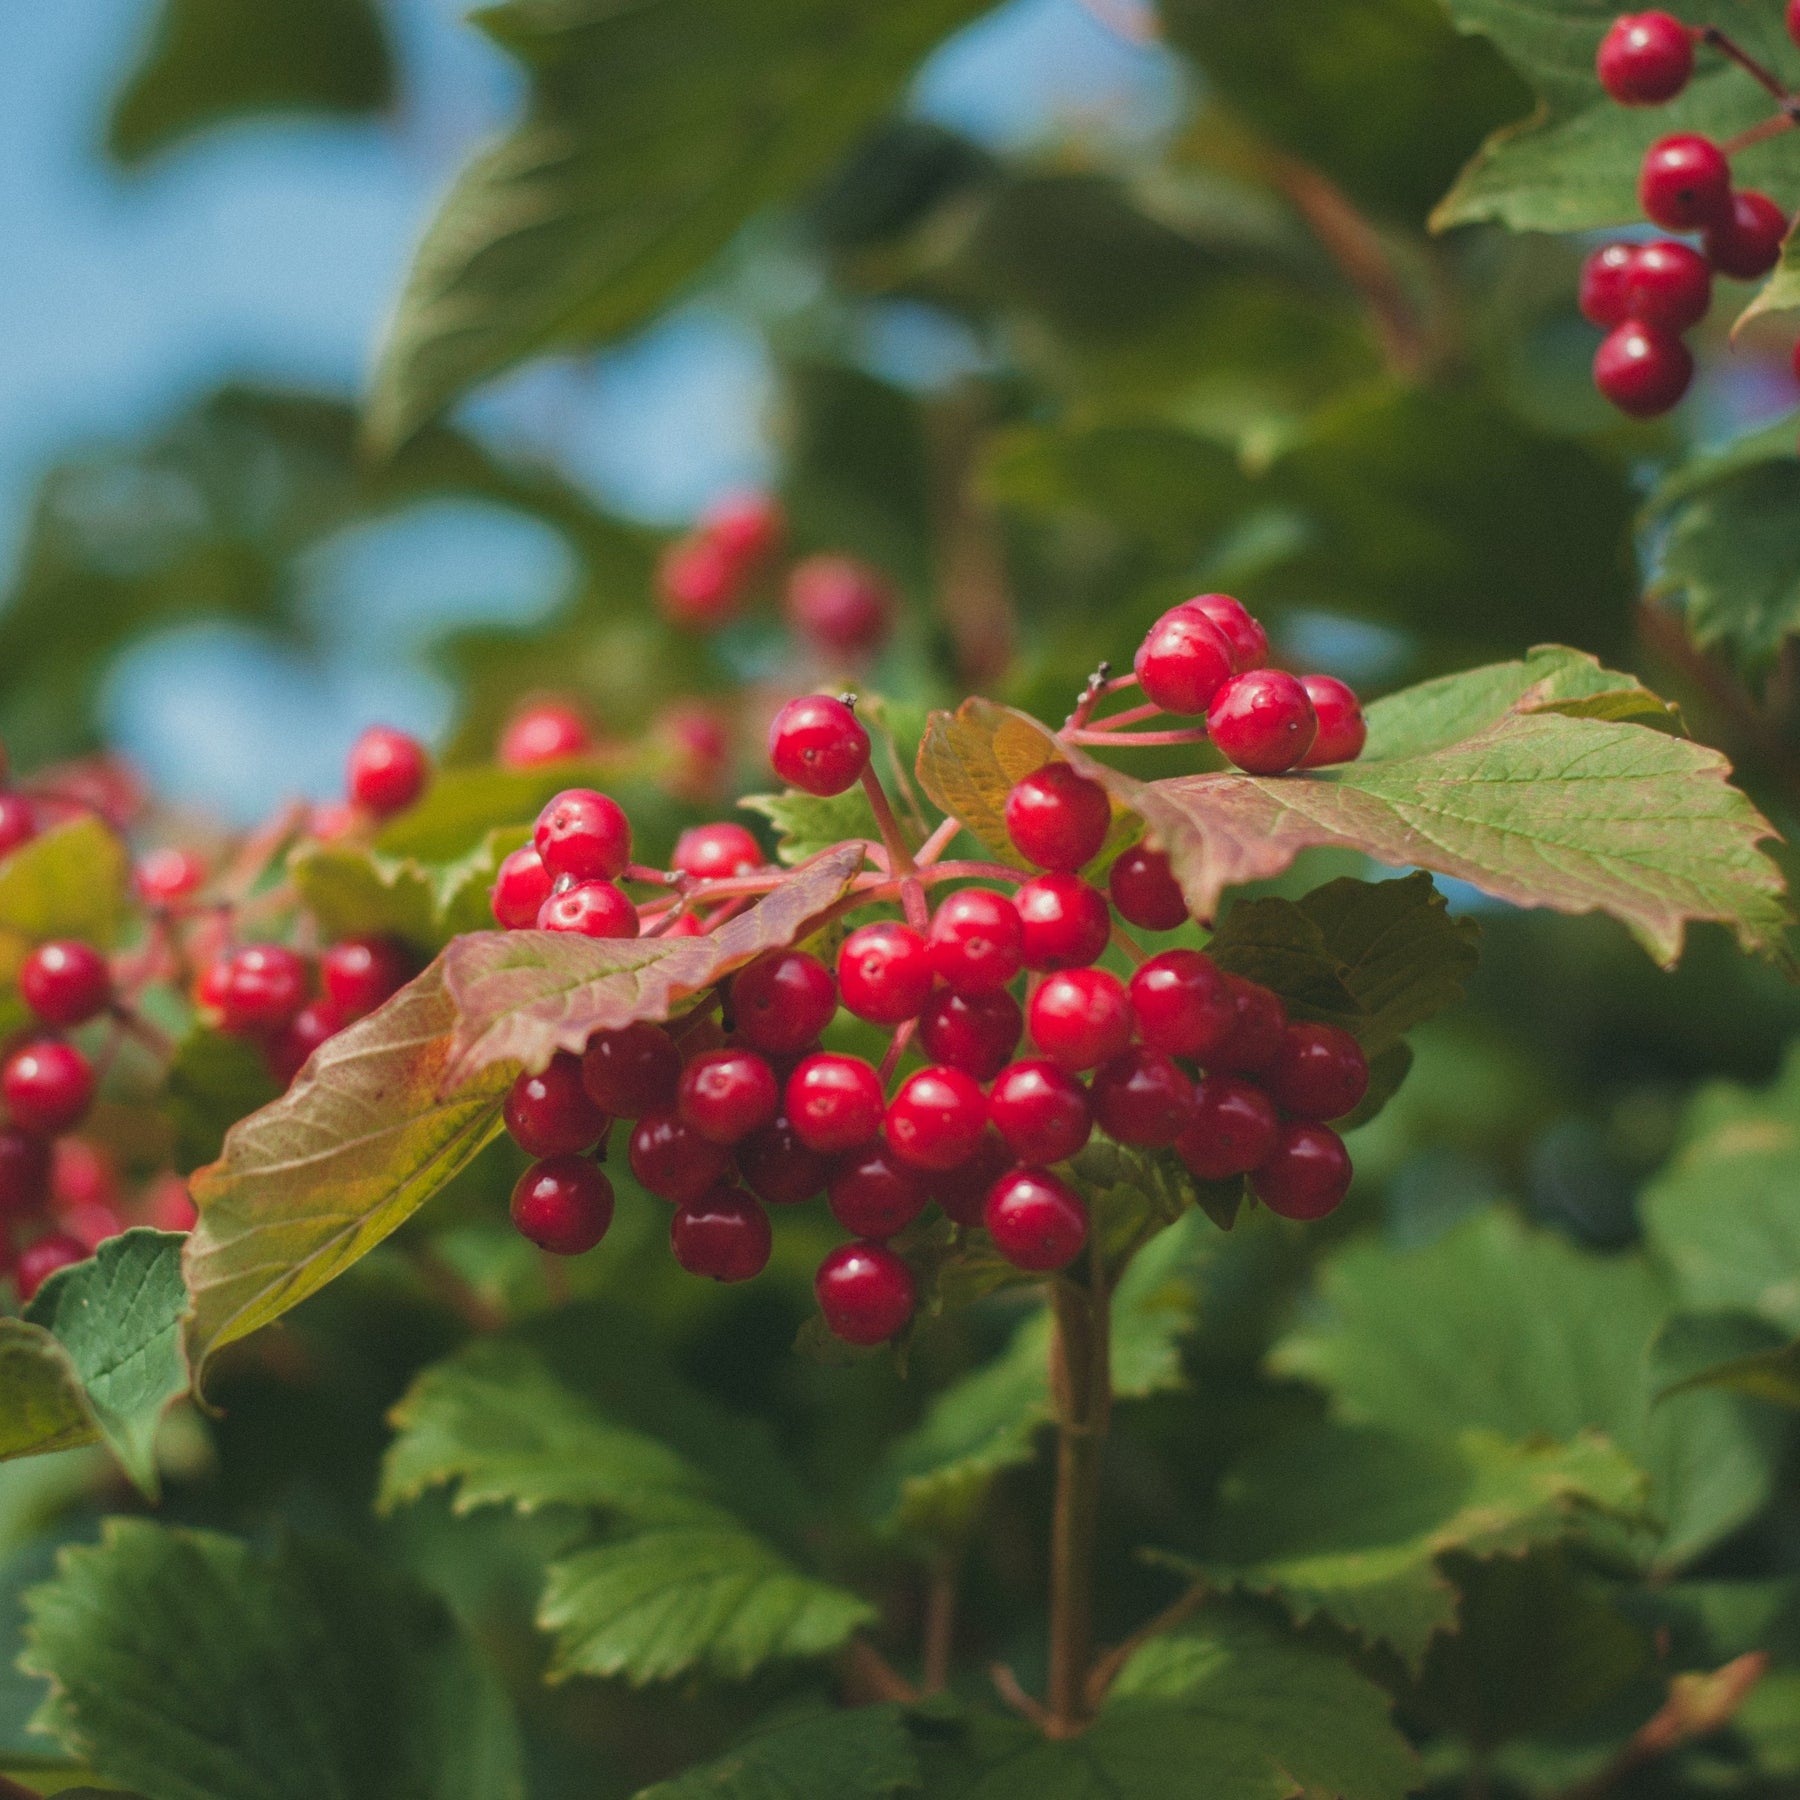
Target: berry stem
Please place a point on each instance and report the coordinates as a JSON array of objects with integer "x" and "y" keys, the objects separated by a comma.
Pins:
[
  {"x": 1783, "y": 121},
  {"x": 896, "y": 1049},
  {"x": 1192, "y": 735},
  {"x": 1715, "y": 39},
  {"x": 1090, "y": 695},
  {"x": 1135, "y": 715},
  {"x": 939, "y": 841},
  {"x": 900, "y": 858}
]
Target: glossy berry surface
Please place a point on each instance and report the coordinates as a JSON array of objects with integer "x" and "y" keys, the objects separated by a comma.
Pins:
[
  {"x": 977, "y": 941},
  {"x": 962, "y": 1192},
  {"x": 358, "y": 974},
  {"x": 1066, "y": 923},
  {"x": 520, "y": 889},
  {"x": 1042, "y": 1112},
  {"x": 38, "y": 1262},
  {"x": 563, "y": 1204},
  {"x": 834, "y": 1102},
  {"x": 1249, "y": 642},
  {"x": 884, "y": 972},
  {"x": 18, "y": 822},
  {"x": 65, "y": 982},
  {"x": 1056, "y": 818},
  {"x": 550, "y": 1114},
  {"x": 1079, "y": 1017},
  {"x": 1144, "y": 889},
  {"x": 593, "y": 909},
  {"x": 1255, "y": 1036},
  {"x": 1601, "y": 295},
  {"x": 1641, "y": 370},
  {"x": 260, "y": 987},
  {"x": 1306, "y": 1174},
  {"x": 865, "y": 1292},
  {"x": 48, "y": 1085},
  {"x": 1036, "y": 1221},
  {"x": 1262, "y": 721},
  {"x": 722, "y": 1234},
  {"x": 716, "y": 852},
  {"x": 549, "y": 731},
  {"x": 1342, "y": 729},
  {"x": 818, "y": 745},
  {"x": 387, "y": 771},
  {"x": 1746, "y": 245},
  {"x": 631, "y": 1071},
  {"x": 698, "y": 583},
  {"x": 1668, "y": 285},
  {"x": 1685, "y": 183},
  {"x": 1645, "y": 58},
  {"x": 285, "y": 1052},
  {"x": 840, "y": 605},
  {"x": 782, "y": 1001},
  {"x": 873, "y": 1193},
  {"x": 584, "y": 835},
  {"x": 1182, "y": 1004},
  {"x": 1183, "y": 662},
  {"x": 1319, "y": 1072},
  {"x": 1234, "y": 1128},
  {"x": 778, "y": 1168},
  {"x": 976, "y": 1033},
  {"x": 727, "y": 1094},
  {"x": 936, "y": 1118},
  {"x": 672, "y": 1160},
  {"x": 1142, "y": 1097}
]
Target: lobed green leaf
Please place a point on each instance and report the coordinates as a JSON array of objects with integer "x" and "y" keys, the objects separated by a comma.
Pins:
[{"x": 862, "y": 1753}]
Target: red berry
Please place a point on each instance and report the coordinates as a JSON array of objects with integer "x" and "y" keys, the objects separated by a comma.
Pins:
[
  {"x": 1263, "y": 721},
  {"x": 937, "y": 1118},
  {"x": 1144, "y": 889},
  {"x": 884, "y": 972},
  {"x": 285, "y": 1052},
  {"x": 1319, "y": 1072},
  {"x": 1793, "y": 20},
  {"x": 584, "y": 835},
  {"x": 90, "y": 1223},
  {"x": 65, "y": 982},
  {"x": 1036, "y": 1221},
  {"x": 563, "y": 1204},
  {"x": 1249, "y": 642},
  {"x": 49, "y": 1086},
  {"x": 723, "y": 1234},
  {"x": 1056, "y": 818},
  {"x": 1066, "y": 923},
  {"x": 632, "y": 1071},
  {"x": 1645, "y": 58},
  {"x": 1747, "y": 245},
  {"x": 698, "y": 582},
  {"x": 168, "y": 1206},
  {"x": 18, "y": 822},
  {"x": 972, "y": 1032},
  {"x": 1141, "y": 1097},
  {"x": 1307, "y": 1173},
  {"x": 835, "y": 1102},
  {"x": 672, "y": 1160},
  {"x": 778, "y": 1167},
  {"x": 260, "y": 988},
  {"x": 387, "y": 772},
  {"x": 841, "y": 605},
  {"x": 1233, "y": 1129},
  {"x": 520, "y": 889},
  {"x": 873, "y": 1193},
  {"x": 1602, "y": 292},
  {"x": 1183, "y": 661},
  {"x": 727, "y": 1094},
  {"x": 360, "y": 973},
  {"x": 746, "y": 526},
  {"x": 24, "y": 1175},
  {"x": 1080, "y": 1017},
  {"x": 782, "y": 1001},
  {"x": 82, "y": 1173},
  {"x": 38, "y": 1262},
  {"x": 1685, "y": 184},
  {"x": 717, "y": 852},
  {"x": 550, "y": 1114},
  {"x": 1668, "y": 286},
  {"x": 1042, "y": 1111},
  {"x": 547, "y": 731},
  {"x": 977, "y": 940},
  {"x": 865, "y": 1291},
  {"x": 167, "y": 875},
  {"x": 818, "y": 745},
  {"x": 1342, "y": 728},
  {"x": 962, "y": 1192},
  {"x": 1255, "y": 1036},
  {"x": 595, "y": 909},
  {"x": 1641, "y": 370}
]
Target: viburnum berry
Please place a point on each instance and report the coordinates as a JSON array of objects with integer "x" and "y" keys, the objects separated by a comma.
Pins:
[
  {"x": 1056, "y": 818},
  {"x": 1645, "y": 58},
  {"x": 545, "y": 731},
  {"x": 1793, "y": 20},
  {"x": 778, "y": 1168},
  {"x": 24, "y": 1175},
  {"x": 632, "y": 1071},
  {"x": 259, "y": 987},
  {"x": 1142, "y": 1097},
  {"x": 937, "y": 1118},
  {"x": 1342, "y": 728},
  {"x": 18, "y": 822},
  {"x": 595, "y": 909},
  {"x": 865, "y": 1292},
  {"x": 1262, "y": 721},
  {"x": 1233, "y": 1129},
  {"x": 38, "y": 1262},
  {"x": 962, "y": 1192},
  {"x": 1319, "y": 1072},
  {"x": 698, "y": 582},
  {"x": 90, "y": 1223},
  {"x": 1746, "y": 244},
  {"x": 65, "y": 982},
  {"x": 1036, "y": 1221},
  {"x": 359, "y": 974},
  {"x": 841, "y": 605},
  {"x": 834, "y": 1102},
  {"x": 976, "y": 1033},
  {"x": 1041, "y": 1111},
  {"x": 1668, "y": 285},
  {"x": 747, "y": 526},
  {"x": 717, "y": 852},
  {"x": 727, "y": 1094},
  {"x": 550, "y": 1113},
  {"x": 82, "y": 1173},
  {"x": 672, "y": 1160},
  {"x": 1306, "y": 1174},
  {"x": 1182, "y": 1004},
  {"x": 563, "y": 1204},
  {"x": 1249, "y": 642},
  {"x": 1066, "y": 923},
  {"x": 48, "y": 1085},
  {"x": 1183, "y": 661},
  {"x": 722, "y": 1233},
  {"x": 584, "y": 835},
  {"x": 1601, "y": 295},
  {"x": 874, "y": 1193},
  {"x": 285, "y": 1052},
  {"x": 1255, "y": 1036},
  {"x": 884, "y": 972},
  {"x": 1685, "y": 183},
  {"x": 387, "y": 771},
  {"x": 168, "y": 874},
  {"x": 1079, "y": 1017},
  {"x": 782, "y": 1001},
  {"x": 977, "y": 940},
  {"x": 168, "y": 1206},
  {"x": 818, "y": 745},
  {"x": 520, "y": 889},
  {"x": 1641, "y": 370},
  {"x": 1145, "y": 891}
]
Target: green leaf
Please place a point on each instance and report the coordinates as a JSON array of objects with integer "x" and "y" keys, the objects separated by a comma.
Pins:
[
  {"x": 653, "y": 131},
  {"x": 1771, "y": 1375},
  {"x": 210, "y": 60},
  {"x": 306, "y": 1187},
  {"x": 214, "y": 1080},
  {"x": 810, "y": 824},
  {"x": 69, "y": 882},
  {"x": 1781, "y": 292},
  {"x": 863, "y": 1753},
  {"x": 42, "y": 1405},
  {"x": 184, "y": 1664},
  {"x": 356, "y": 891}
]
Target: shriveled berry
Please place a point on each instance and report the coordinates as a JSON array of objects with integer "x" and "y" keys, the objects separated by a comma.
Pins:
[
  {"x": 1056, "y": 818},
  {"x": 584, "y": 835},
  {"x": 1255, "y": 1036},
  {"x": 835, "y": 1102},
  {"x": 168, "y": 874},
  {"x": 563, "y": 1204},
  {"x": 1141, "y": 1097},
  {"x": 1641, "y": 370},
  {"x": 962, "y": 1192},
  {"x": 1319, "y": 1072},
  {"x": 1036, "y": 1221},
  {"x": 1747, "y": 244},
  {"x": 747, "y": 526},
  {"x": 260, "y": 987},
  {"x": 285, "y": 1052},
  {"x": 1645, "y": 58},
  {"x": 1262, "y": 721},
  {"x": 717, "y": 852},
  {"x": 65, "y": 982},
  {"x": 841, "y": 605},
  {"x": 976, "y": 1033},
  {"x": 1041, "y": 1111},
  {"x": 1601, "y": 295},
  {"x": 24, "y": 1175},
  {"x": 672, "y": 1160},
  {"x": 1249, "y": 642},
  {"x": 885, "y": 972},
  {"x": 727, "y": 1094},
  {"x": 360, "y": 973},
  {"x": 550, "y": 1114},
  {"x": 782, "y": 1001},
  {"x": 1183, "y": 661},
  {"x": 387, "y": 772},
  {"x": 977, "y": 940},
  {"x": 1685, "y": 183},
  {"x": 594, "y": 909},
  {"x": 873, "y": 1193},
  {"x": 1233, "y": 1128},
  {"x": 48, "y": 1085},
  {"x": 38, "y": 1262},
  {"x": 1066, "y": 922},
  {"x": 520, "y": 889},
  {"x": 937, "y": 1118},
  {"x": 1342, "y": 728},
  {"x": 818, "y": 745},
  {"x": 1080, "y": 1017},
  {"x": 631, "y": 1071},
  {"x": 1306, "y": 1175},
  {"x": 722, "y": 1234},
  {"x": 545, "y": 731},
  {"x": 866, "y": 1293},
  {"x": 698, "y": 582},
  {"x": 1144, "y": 889},
  {"x": 18, "y": 822},
  {"x": 779, "y": 1168}
]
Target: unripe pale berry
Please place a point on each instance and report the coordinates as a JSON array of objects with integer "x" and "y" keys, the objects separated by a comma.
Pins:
[
  {"x": 1645, "y": 58},
  {"x": 976, "y": 1033},
  {"x": 1079, "y": 1017},
  {"x": 1342, "y": 729},
  {"x": 727, "y": 1094},
  {"x": 672, "y": 1160},
  {"x": 546, "y": 731},
  {"x": 1233, "y": 1128},
  {"x": 1066, "y": 923},
  {"x": 1144, "y": 889},
  {"x": 358, "y": 974},
  {"x": 65, "y": 982},
  {"x": 1056, "y": 818},
  {"x": 593, "y": 909},
  {"x": 48, "y": 1085},
  {"x": 1262, "y": 721},
  {"x": 782, "y": 1001},
  {"x": 1306, "y": 1175},
  {"x": 1685, "y": 183},
  {"x": 841, "y": 605},
  {"x": 865, "y": 1291},
  {"x": 1641, "y": 370},
  {"x": 520, "y": 889},
  {"x": 936, "y": 1119},
  {"x": 1601, "y": 295},
  {"x": 885, "y": 972},
  {"x": 874, "y": 1193},
  {"x": 1043, "y": 1113},
  {"x": 716, "y": 852},
  {"x": 387, "y": 772},
  {"x": 977, "y": 940},
  {"x": 722, "y": 1234},
  {"x": 583, "y": 835},
  {"x": 550, "y": 1113},
  {"x": 1183, "y": 661},
  {"x": 563, "y": 1204},
  {"x": 834, "y": 1102},
  {"x": 1249, "y": 642},
  {"x": 818, "y": 745},
  {"x": 632, "y": 1071},
  {"x": 1036, "y": 1221},
  {"x": 1747, "y": 244}
]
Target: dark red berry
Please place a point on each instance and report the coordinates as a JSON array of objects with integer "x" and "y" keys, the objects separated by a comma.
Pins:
[
  {"x": 1066, "y": 923},
  {"x": 1249, "y": 642},
  {"x": 672, "y": 1160},
  {"x": 723, "y": 1234},
  {"x": 1183, "y": 661},
  {"x": 18, "y": 822},
  {"x": 782, "y": 1001},
  {"x": 1319, "y": 1072},
  {"x": 632, "y": 1071},
  {"x": 584, "y": 835},
  {"x": 936, "y": 1119},
  {"x": 550, "y": 1114},
  {"x": 778, "y": 1167},
  {"x": 260, "y": 988},
  {"x": 835, "y": 1102},
  {"x": 1042, "y": 1111},
  {"x": 24, "y": 1176},
  {"x": 747, "y": 527},
  {"x": 1307, "y": 1173},
  {"x": 717, "y": 852},
  {"x": 866, "y": 1293},
  {"x": 1342, "y": 729},
  {"x": 1080, "y": 1017},
  {"x": 360, "y": 973},
  {"x": 285, "y": 1052},
  {"x": 1144, "y": 889},
  {"x": 818, "y": 745},
  {"x": 698, "y": 582},
  {"x": 65, "y": 982},
  {"x": 1262, "y": 721},
  {"x": 593, "y": 909},
  {"x": 976, "y": 1033},
  {"x": 1056, "y": 818},
  {"x": 1141, "y": 1097},
  {"x": 1668, "y": 286},
  {"x": 1233, "y": 1130},
  {"x": 884, "y": 972},
  {"x": 873, "y": 1193},
  {"x": 841, "y": 605},
  {"x": 1645, "y": 58},
  {"x": 387, "y": 772},
  {"x": 1641, "y": 370},
  {"x": 1036, "y": 1221},
  {"x": 520, "y": 890},
  {"x": 977, "y": 941},
  {"x": 1747, "y": 245},
  {"x": 962, "y": 1192},
  {"x": 1602, "y": 292},
  {"x": 1255, "y": 1036},
  {"x": 38, "y": 1262},
  {"x": 546, "y": 731},
  {"x": 1685, "y": 184},
  {"x": 727, "y": 1094},
  {"x": 49, "y": 1086},
  {"x": 562, "y": 1204}
]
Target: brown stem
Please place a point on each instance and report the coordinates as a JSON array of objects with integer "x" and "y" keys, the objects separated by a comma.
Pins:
[
  {"x": 940, "y": 1624},
  {"x": 1008, "y": 1687},
  {"x": 1106, "y": 1668},
  {"x": 1715, "y": 39},
  {"x": 1783, "y": 121},
  {"x": 866, "y": 1677}
]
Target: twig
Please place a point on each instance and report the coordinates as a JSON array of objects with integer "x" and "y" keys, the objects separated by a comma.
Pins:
[
  {"x": 1715, "y": 39},
  {"x": 1106, "y": 1668},
  {"x": 940, "y": 1623},
  {"x": 1783, "y": 121},
  {"x": 1135, "y": 715},
  {"x": 868, "y": 1677},
  {"x": 1006, "y": 1685}
]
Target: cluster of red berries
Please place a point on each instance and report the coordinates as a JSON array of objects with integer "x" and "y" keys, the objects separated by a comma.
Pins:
[{"x": 1646, "y": 296}]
